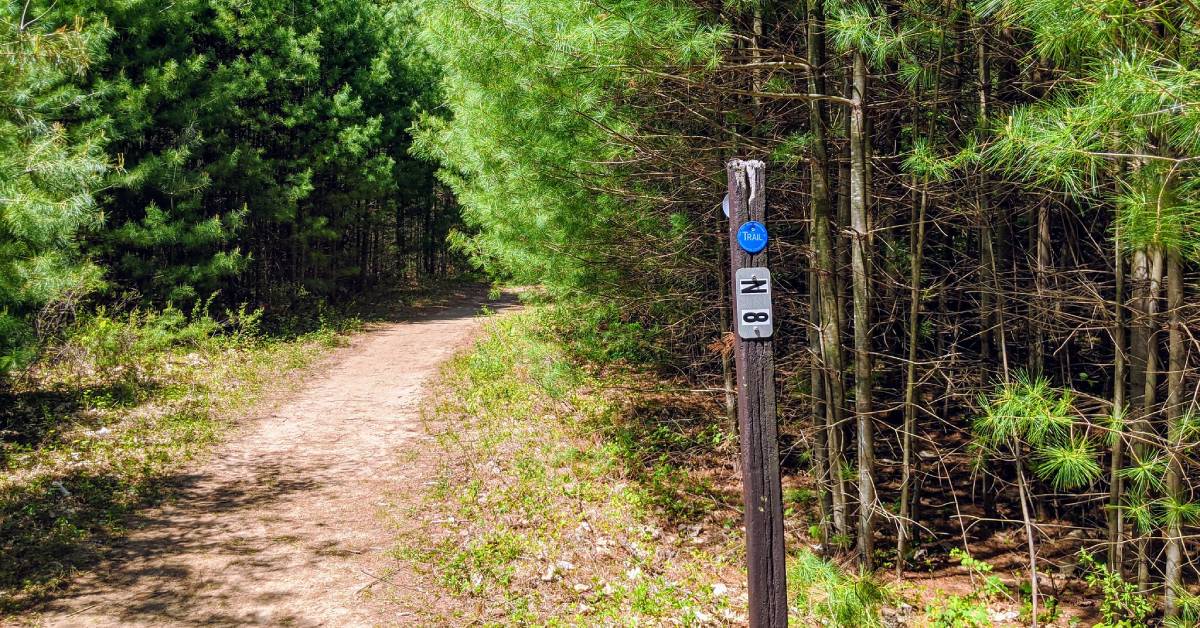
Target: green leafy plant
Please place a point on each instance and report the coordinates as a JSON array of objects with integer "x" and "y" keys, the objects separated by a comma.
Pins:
[
  {"x": 971, "y": 610},
  {"x": 958, "y": 612},
  {"x": 1123, "y": 606}
]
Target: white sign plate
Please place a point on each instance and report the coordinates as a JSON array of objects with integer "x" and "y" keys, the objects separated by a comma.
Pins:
[{"x": 755, "y": 316}]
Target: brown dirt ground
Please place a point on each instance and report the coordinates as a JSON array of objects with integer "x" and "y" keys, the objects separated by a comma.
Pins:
[{"x": 284, "y": 524}]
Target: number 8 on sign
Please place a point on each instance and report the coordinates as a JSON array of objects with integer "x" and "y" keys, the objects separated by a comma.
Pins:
[
  {"x": 756, "y": 317},
  {"x": 754, "y": 312}
]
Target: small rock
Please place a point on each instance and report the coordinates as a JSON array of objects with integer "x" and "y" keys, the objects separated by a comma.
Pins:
[
  {"x": 580, "y": 587},
  {"x": 100, "y": 433},
  {"x": 550, "y": 573},
  {"x": 719, "y": 590},
  {"x": 564, "y": 565},
  {"x": 634, "y": 574},
  {"x": 1002, "y": 616}
]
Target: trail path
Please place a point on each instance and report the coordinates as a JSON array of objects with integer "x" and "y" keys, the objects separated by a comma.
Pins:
[{"x": 285, "y": 525}]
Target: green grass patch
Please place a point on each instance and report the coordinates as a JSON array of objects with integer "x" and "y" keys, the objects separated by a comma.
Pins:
[{"x": 560, "y": 503}]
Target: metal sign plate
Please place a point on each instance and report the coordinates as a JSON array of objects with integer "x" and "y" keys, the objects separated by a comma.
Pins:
[
  {"x": 725, "y": 205},
  {"x": 752, "y": 237},
  {"x": 755, "y": 316}
]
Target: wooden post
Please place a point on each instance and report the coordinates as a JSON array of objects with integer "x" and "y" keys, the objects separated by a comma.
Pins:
[{"x": 759, "y": 436}]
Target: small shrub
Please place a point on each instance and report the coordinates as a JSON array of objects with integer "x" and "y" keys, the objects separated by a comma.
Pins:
[
  {"x": 1123, "y": 606},
  {"x": 959, "y": 612},
  {"x": 969, "y": 611}
]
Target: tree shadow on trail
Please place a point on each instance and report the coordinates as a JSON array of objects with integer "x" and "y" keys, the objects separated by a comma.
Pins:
[{"x": 50, "y": 533}]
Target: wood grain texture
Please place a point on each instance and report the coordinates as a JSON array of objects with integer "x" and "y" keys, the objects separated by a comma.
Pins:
[{"x": 758, "y": 430}]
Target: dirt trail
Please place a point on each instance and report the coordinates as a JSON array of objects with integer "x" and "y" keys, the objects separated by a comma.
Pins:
[{"x": 284, "y": 525}]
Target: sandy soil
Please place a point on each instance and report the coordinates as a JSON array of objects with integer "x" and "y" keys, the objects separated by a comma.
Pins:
[{"x": 284, "y": 524}]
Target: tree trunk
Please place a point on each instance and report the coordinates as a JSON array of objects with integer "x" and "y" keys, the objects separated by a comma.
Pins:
[
  {"x": 825, "y": 287},
  {"x": 917, "y": 237},
  {"x": 1030, "y": 537},
  {"x": 1037, "y": 359},
  {"x": 1145, "y": 430},
  {"x": 1116, "y": 519},
  {"x": 1176, "y": 364},
  {"x": 862, "y": 319}
]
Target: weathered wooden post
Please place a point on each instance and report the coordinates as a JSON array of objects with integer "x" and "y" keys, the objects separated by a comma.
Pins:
[{"x": 754, "y": 322}]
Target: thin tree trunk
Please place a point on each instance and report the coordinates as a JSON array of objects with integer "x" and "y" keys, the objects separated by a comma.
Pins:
[
  {"x": 817, "y": 384},
  {"x": 1176, "y": 364},
  {"x": 830, "y": 329},
  {"x": 910, "y": 380},
  {"x": 862, "y": 319},
  {"x": 1037, "y": 359},
  {"x": 1116, "y": 518},
  {"x": 1030, "y": 540},
  {"x": 1145, "y": 432}
]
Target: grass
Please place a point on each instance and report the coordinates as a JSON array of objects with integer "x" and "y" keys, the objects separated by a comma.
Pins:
[
  {"x": 554, "y": 506},
  {"x": 102, "y": 424},
  {"x": 572, "y": 492}
]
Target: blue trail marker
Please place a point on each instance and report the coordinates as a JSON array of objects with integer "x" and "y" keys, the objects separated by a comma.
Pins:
[{"x": 752, "y": 237}]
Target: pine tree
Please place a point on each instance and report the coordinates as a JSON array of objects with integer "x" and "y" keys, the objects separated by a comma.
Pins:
[{"x": 50, "y": 164}]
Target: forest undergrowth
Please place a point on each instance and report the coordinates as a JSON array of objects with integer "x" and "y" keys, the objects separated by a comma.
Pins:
[
  {"x": 559, "y": 500},
  {"x": 575, "y": 488}
]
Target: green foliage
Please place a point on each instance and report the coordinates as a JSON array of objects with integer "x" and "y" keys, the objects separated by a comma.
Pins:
[
  {"x": 259, "y": 152},
  {"x": 956, "y": 611},
  {"x": 541, "y": 113},
  {"x": 828, "y": 595},
  {"x": 1068, "y": 464},
  {"x": 969, "y": 611},
  {"x": 923, "y": 162},
  {"x": 49, "y": 166},
  {"x": 1025, "y": 410},
  {"x": 258, "y": 139},
  {"x": 1123, "y": 606},
  {"x": 991, "y": 587},
  {"x": 596, "y": 333},
  {"x": 1154, "y": 211},
  {"x": 858, "y": 26},
  {"x": 1113, "y": 134},
  {"x": 1189, "y": 612}
]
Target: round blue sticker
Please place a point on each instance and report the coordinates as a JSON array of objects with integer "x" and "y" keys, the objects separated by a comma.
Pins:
[{"x": 752, "y": 237}]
